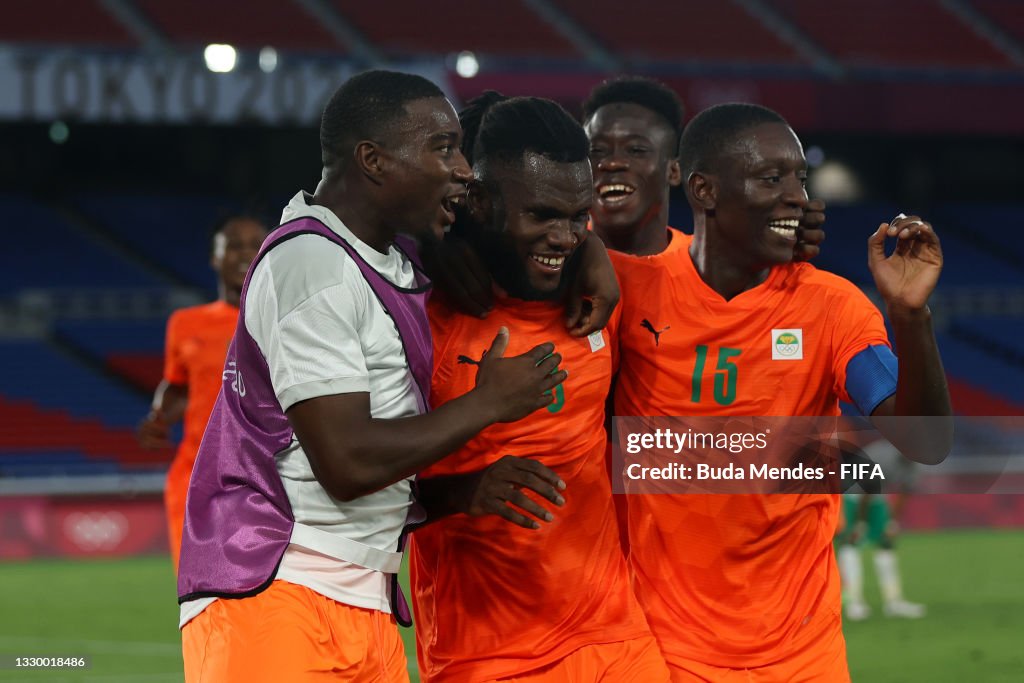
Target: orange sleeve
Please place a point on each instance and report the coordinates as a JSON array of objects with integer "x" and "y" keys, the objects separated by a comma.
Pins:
[
  {"x": 175, "y": 371},
  {"x": 858, "y": 324}
]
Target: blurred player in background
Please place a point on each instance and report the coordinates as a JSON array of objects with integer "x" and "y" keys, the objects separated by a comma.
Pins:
[
  {"x": 197, "y": 342},
  {"x": 526, "y": 602},
  {"x": 873, "y": 519},
  {"x": 733, "y": 585}
]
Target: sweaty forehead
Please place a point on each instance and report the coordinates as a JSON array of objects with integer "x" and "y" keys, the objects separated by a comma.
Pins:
[
  {"x": 429, "y": 116},
  {"x": 539, "y": 181},
  {"x": 625, "y": 119},
  {"x": 764, "y": 143}
]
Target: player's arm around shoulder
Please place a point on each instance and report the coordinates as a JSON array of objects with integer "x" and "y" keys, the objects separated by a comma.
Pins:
[{"x": 905, "y": 279}]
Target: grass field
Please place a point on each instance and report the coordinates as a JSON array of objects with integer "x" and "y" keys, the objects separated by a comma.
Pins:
[{"x": 122, "y": 614}]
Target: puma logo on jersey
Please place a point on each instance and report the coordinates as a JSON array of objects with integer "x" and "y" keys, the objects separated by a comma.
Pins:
[
  {"x": 646, "y": 324},
  {"x": 466, "y": 360}
]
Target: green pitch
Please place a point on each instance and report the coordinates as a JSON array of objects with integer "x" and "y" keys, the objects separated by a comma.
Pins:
[{"x": 122, "y": 614}]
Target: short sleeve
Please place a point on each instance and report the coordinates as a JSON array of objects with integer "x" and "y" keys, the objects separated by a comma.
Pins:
[
  {"x": 857, "y": 325},
  {"x": 304, "y": 309},
  {"x": 175, "y": 371}
]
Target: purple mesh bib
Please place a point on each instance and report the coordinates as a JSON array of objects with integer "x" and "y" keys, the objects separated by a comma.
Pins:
[{"x": 238, "y": 520}]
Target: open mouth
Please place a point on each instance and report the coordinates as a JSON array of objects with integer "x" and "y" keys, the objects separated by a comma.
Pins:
[
  {"x": 548, "y": 262},
  {"x": 785, "y": 228},
  {"x": 613, "y": 193},
  {"x": 448, "y": 205}
]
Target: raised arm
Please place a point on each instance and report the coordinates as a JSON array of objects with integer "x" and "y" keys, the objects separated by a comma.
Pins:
[{"x": 905, "y": 279}]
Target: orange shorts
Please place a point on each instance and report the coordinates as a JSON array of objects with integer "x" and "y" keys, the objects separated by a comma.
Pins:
[
  {"x": 630, "y": 661},
  {"x": 817, "y": 659},
  {"x": 291, "y": 633}
]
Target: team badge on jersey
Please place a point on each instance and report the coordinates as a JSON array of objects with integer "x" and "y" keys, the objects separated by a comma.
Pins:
[
  {"x": 788, "y": 344},
  {"x": 596, "y": 341}
]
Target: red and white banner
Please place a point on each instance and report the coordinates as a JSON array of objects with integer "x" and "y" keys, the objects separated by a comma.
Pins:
[{"x": 64, "y": 526}]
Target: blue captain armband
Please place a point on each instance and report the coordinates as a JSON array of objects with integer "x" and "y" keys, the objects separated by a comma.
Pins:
[{"x": 871, "y": 377}]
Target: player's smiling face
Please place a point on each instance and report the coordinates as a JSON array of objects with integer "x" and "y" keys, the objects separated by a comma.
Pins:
[
  {"x": 536, "y": 222},
  {"x": 761, "y": 194},
  {"x": 429, "y": 170},
  {"x": 234, "y": 248},
  {"x": 632, "y": 150}
]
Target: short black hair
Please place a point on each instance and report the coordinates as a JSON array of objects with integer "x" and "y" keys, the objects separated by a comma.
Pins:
[
  {"x": 225, "y": 218},
  {"x": 503, "y": 129},
  {"x": 713, "y": 131},
  {"x": 365, "y": 107},
  {"x": 645, "y": 92}
]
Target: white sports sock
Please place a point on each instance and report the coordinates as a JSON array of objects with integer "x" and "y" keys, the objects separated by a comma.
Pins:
[
  {"x": 851, "y": 574},
  {"x": 888, "y": 571}
]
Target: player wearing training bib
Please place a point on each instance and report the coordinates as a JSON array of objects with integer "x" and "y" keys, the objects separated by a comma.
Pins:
[{"x": 197, "y": 342}]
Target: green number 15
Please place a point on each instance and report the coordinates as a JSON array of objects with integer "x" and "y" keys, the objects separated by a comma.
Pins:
[{"x": 725, "y": 375}]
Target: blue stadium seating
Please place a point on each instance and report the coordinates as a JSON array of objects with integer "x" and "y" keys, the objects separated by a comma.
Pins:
[
  {"x": 51, "y": 253},
  {"x": 171, "y": 230},
  {"x": 37, "y": 372}
]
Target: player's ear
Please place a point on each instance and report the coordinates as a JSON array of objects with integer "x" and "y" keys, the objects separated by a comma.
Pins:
[
  {"x": 369, "y": 158},
  {"x": 217, "y": 253},
  {"x": 479, "y": 203},
  {"x": 675, "y": 174},
  {"x": 703, "y": 188}
]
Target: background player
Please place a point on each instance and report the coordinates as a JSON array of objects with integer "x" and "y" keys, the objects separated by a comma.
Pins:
[
  {"x": 529, "y": 603},
  {"x": 874, "y": 519},
  {"x": 748, "y": 583},
  {"x": 197, "y": 342}
]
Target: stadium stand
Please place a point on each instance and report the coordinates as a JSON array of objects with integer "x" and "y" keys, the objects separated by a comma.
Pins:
[
  {"x": 83, "y": 22},
  {"x": 1005, "y": 13},
  {"x": 131, "y": 349},
  {"x": 170, "y": 230},
  {"x": 909, "y": 33},
  {"x": 506, "y": 28},
  {"x": 78, "y": 262},
  {"x": 690, "y": 31},
  {"x": 267, "y": 23}
]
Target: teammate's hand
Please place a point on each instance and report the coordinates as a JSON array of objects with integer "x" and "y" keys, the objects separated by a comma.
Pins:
[
  {"x": 459, "y": 274},
  {"x": 908, "y": 276},
  {"x": 512, "y": 388},
  {"x": 154, "y": 432},
  {"x": 594, "y": 293},
  {"x": 500, "y": 487},
  {"x": 809, "y": 235}
]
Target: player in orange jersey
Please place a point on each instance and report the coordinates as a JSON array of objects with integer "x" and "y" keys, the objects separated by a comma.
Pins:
[
  {"x": 745, "y": 587},
  {"x": 528, "y": 602},
  {"x": 197, "y": 342}
]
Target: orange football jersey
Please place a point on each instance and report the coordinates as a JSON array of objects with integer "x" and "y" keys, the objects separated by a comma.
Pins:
[
  {"x": 733, "y": 580},
  {"x": 196, "y": 346},
  {"x": 493, "y": 599}
]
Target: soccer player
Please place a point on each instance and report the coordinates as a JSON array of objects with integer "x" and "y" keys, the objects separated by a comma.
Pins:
[
  {"x": 302, "y": 485},
  {"x": 197, "y": 341},
  {"x": 746, "y": 585},
  {"x": 537, "y": 602},
  {"x": 634, "y": 125},
  {"x": 873, "y": 519}
]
